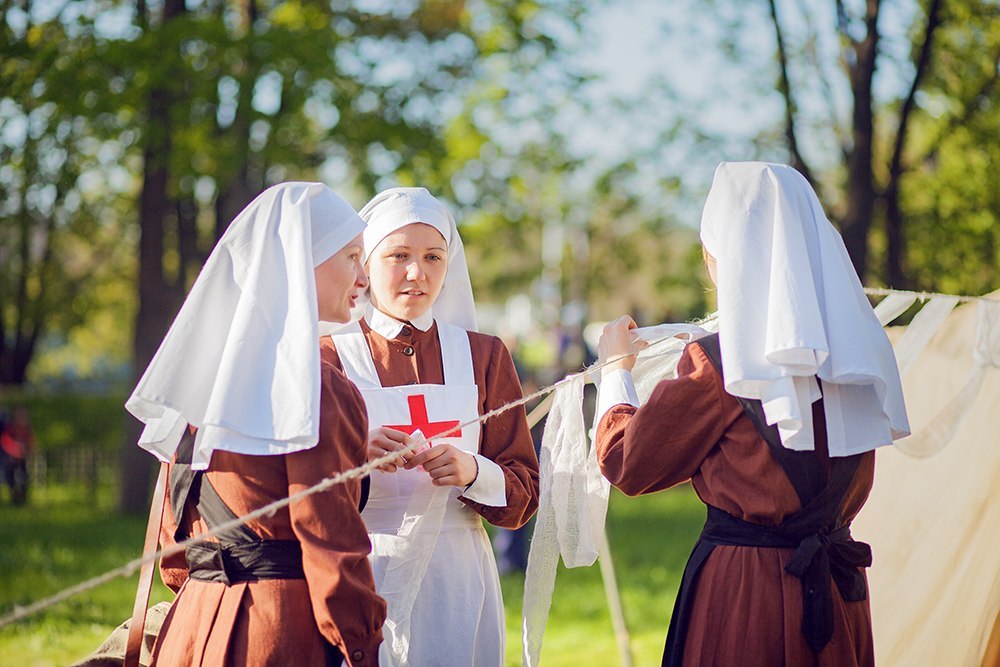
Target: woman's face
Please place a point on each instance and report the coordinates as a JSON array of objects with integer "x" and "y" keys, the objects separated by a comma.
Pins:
[
  {"x": 340, "y": 281},
  {"x": 407, "y": 271}
]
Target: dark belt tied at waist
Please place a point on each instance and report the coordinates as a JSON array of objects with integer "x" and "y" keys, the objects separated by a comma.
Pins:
[
  {"x": 817, "y": 558},
  {"x": 232, "y": 563}
]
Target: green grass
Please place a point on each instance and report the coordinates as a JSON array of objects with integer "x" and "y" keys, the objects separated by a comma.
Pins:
[
  {"x": 59, "y": 540},
  {"x": 62, "y": 539},
  {"x": 650, "y": 540}
]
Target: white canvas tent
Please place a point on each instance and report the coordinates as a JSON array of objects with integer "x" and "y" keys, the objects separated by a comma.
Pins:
[{"x": 934, "y": 521}]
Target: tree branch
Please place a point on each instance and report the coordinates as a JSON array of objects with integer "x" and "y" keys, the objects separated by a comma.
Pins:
[
  {"x": 785, "y": 88},
  {"x": 969, "y": 111},
  {"x": 933, "y": 23},
  {"x": 839, "y": 131}
]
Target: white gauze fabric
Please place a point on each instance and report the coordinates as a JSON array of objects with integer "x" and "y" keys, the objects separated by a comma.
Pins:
[
  {"x": 397, "y": 207},
  {"x": 791, "y": 308},
  {"x": 241, "y": 359},
  {"x": 573, "y": 494}
]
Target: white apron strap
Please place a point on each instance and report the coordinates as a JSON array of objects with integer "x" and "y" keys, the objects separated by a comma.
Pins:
[
  {"x": 456, "y": 355},
  {"x": 356, "y": 358}
]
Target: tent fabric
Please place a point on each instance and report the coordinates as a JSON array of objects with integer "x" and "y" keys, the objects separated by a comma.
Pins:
[{"x": 933, "y": 521}]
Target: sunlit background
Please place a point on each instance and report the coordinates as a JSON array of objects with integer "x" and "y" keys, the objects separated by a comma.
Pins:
[{"x": 575, "y": 141}]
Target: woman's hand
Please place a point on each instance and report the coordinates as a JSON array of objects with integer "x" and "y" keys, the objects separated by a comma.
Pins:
[
  {"x": 383, "y": 440},
  {"x": 617, "y": 340},
  {"x": 447, "y": 465}
]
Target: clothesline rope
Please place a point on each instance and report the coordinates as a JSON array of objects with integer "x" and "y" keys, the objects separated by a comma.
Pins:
[{"x": 21, "y": 612}]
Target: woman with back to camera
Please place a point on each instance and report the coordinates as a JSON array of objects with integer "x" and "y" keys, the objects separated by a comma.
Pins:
[
  {"x": 774, "y": 420},
  {"x": 425, "y": 371}
]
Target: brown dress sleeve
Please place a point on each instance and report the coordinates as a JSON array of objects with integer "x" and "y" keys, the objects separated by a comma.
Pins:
[
  {"x": 663, "y": 443},
  {"x": 334, "y": 541},
  {"x": 506, "y": 439}
]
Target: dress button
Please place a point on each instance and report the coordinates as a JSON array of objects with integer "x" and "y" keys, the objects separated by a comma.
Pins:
[
  {"x": 405, "y": 331},
  {"x": 408, "y": 351},
  {"x": 357, "y": 655}
]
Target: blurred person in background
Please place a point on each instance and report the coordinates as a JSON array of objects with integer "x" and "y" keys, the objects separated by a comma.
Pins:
[{"x": 17, "y": 444}]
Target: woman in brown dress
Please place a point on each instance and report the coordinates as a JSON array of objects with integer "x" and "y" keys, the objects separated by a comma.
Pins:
[
  {"x": 249, "y": 410},
  {"x": 774, "y": 420}
]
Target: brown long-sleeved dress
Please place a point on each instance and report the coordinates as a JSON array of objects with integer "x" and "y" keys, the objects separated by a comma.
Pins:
[
  {"x": 746, "y": 609},
  {"x": 285, "y": 621}
]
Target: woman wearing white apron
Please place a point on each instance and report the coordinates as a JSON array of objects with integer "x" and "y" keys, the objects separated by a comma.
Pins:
[{"x": 425, "y": 371}]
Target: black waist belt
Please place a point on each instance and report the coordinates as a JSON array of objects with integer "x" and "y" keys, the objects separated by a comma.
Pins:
[
  {"x": 818, "y": 557},
  {"x": 231, "y": 563}
]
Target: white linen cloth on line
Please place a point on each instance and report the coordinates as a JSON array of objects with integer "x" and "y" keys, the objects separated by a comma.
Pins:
[
  {"x": 431, "y": 556},
  {"x": 573, "y": 495}
]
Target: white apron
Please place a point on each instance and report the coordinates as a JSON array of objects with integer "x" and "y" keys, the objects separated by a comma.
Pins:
[{"x": 431, "y": 556}]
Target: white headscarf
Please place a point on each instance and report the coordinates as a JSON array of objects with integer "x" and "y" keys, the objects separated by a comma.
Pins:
[
  {"x": 397, "y": 207},
  {"x": 791, "y": 307},
  {"x": 241, "y": 360}
]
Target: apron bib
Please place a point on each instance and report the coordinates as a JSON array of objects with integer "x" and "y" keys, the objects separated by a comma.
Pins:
[{"x": 405, "y": 512}]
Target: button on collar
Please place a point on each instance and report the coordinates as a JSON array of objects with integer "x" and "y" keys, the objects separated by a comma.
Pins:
[
  {"x": 408, "y": 351},
  {"x": 357, "y": 655},
  {"x": 405, "y": 331}
]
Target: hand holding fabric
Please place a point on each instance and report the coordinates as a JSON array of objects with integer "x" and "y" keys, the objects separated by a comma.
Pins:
[
  {"x": 618, "y": 340},
  {"x": 447, "y": 465},
  {"x": 383, "y": 440}
]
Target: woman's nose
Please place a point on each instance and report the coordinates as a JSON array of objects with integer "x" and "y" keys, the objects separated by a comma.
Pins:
[
  {"x": 414, "y": 272},
  {"x": 361, "y": 280}
]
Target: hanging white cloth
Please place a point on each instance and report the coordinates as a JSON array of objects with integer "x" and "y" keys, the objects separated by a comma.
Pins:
[
  {"x": 791, "y": 309},
  {"x": 241, "y": 359},
  {"x": 573, "y": 495},
  {"x": 431, "y": 557},
  {"x": 921, "y": 329},
  {"x": 397, "y": 207}
]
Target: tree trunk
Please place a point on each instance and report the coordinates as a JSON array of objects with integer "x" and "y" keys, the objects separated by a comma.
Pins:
[
  {"x": 895, "y": 273},
  {"x": 857, "y": 220},
  {"x": 237, "y": 191},
  {"x": 157, "y": 297}
]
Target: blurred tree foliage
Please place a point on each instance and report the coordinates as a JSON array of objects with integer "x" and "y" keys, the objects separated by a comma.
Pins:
[
  {"x": 132, "y": 132},
  {"x": 891, "y": 110}
]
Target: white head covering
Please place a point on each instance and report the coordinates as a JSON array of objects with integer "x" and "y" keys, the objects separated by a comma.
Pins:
[
  {"x": 397, "y": 207},
  {"x": 791, "y": 307},
  {"x": 241, "y": 360}
]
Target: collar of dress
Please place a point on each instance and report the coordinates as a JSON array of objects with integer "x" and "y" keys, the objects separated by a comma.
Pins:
[{"x": 389, "y": 327}]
